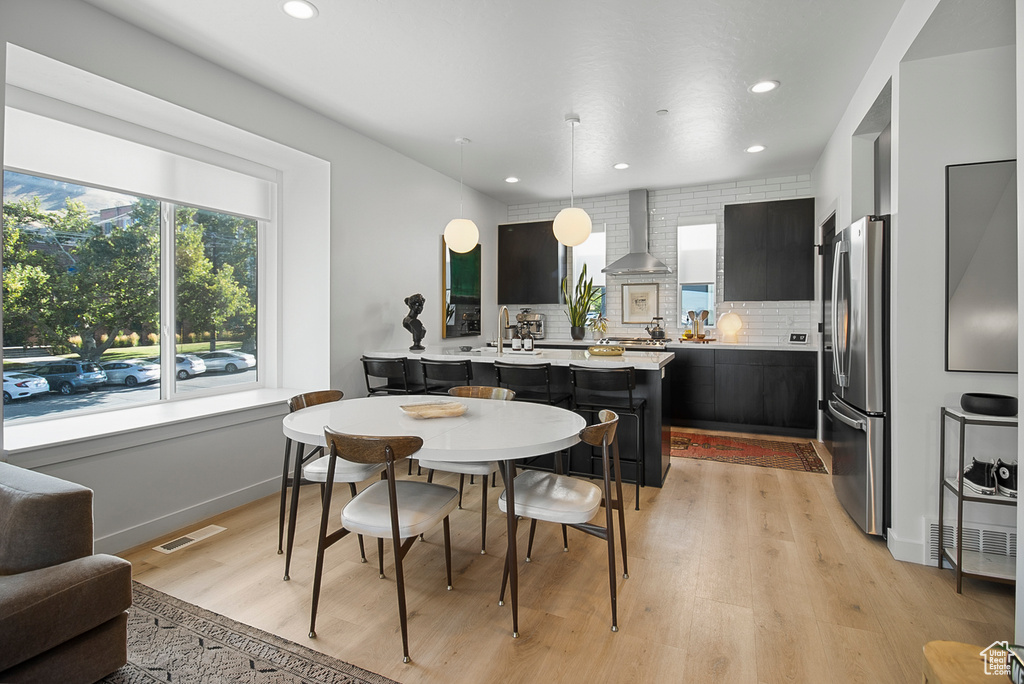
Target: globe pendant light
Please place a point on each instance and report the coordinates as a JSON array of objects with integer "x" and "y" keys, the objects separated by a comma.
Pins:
[
  {"x": 461, "y": 234},
  {"x": 572, "y": 224}
]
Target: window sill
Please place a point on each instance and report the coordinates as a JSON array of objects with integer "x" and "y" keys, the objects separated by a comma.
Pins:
[{"x": 64, "y": 439}]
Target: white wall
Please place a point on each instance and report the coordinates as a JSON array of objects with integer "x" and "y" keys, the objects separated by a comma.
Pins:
[
  {"x": 953, "y": 109},
  {"x": 386, "y": 215}
]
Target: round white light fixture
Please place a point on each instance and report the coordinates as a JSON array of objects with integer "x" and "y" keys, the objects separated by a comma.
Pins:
[
  {"x": 729, "y": 324},
  {"x": 661, "y": 112},
  {"x": 755, "y": 148},
  {"x": 621, "y": 165},
  {"x": 511, "y": 179},
  {"x": 300, "y": 9},
  {"x": 461, "y": 235},
  {"x": 572, "y": 226},
  {"x": 763, "y": 87}
]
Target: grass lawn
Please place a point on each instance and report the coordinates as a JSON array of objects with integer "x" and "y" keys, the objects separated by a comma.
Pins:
[{"x": 141, "y": 352}]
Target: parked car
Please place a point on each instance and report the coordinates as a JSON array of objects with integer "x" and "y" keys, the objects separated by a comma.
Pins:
[
  {"x": 68, "y": 377},
  {"x": 185, "y": 365},
  {"x": 131, "y": 372},
  {"x": 19, "y": 385},
  {"x": 228, "y": 360}
]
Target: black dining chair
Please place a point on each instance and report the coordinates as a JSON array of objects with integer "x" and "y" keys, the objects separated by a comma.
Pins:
[
  {"x": 441, "y": 375},
  {"x": 395, "y": 375}
]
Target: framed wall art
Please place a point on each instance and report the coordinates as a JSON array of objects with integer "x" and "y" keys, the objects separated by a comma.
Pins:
[{"x": 639, "y": 302}]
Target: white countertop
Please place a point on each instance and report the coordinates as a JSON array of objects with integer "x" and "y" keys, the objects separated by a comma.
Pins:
[
  {"x": 639, "y": 360},
  {"x": 676, "y": 344}
]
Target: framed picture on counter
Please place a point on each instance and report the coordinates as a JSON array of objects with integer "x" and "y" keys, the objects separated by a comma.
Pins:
[{"x": 639, "y": 302}]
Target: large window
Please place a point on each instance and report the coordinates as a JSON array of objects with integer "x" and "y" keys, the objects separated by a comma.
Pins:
[
  {"x": 90, "y": 289},
  {"x": 697, "y": 253},
  {"x": 591, "y": 252}
]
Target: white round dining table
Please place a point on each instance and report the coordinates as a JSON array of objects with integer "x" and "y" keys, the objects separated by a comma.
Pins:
[{"x": 489, "y": 430}]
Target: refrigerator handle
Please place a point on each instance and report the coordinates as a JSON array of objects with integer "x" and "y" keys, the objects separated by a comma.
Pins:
[
  {"x": 833, "y": 408},
  {"x": 839, "y": 342}
]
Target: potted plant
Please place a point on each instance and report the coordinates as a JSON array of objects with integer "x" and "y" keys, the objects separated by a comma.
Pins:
[{"x": 579, "y": 302}]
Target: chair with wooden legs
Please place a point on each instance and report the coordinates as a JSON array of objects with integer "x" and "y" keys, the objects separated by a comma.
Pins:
[
  {"x": 310, "y": 471},
  {"x": 401, "y": 510},
  {"x": 574, "y": 502},
  {"x": 481, "y": 468}
]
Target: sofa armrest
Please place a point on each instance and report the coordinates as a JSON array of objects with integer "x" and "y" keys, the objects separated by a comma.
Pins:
[
  {"x": 43, "y": 608},
  {"x": 46, "y": 521}
]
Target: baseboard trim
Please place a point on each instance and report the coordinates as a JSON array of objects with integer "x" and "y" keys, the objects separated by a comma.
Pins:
[
  {"x": 151, "y": 530},
  {"x": 910, "y": 551}
]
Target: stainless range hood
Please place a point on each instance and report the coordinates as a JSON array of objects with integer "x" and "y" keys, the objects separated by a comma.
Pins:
[{"x": 639, "y": 259}]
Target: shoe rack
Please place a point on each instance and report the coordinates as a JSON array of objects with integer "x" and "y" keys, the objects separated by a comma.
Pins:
[{"x": 989, "y": 566}]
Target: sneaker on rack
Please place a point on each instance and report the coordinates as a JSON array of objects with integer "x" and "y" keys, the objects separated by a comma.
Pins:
[
  {"x": 1006, "y": 479},
  {"x": 980, "y": 477}
]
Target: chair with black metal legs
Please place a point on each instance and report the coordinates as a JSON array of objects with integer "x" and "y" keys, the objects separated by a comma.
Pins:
[
  {"x": 574, "y": 502},
  {"x": 439, "y": 376},
  {"x": 306, "y": 470},
  {"x": 481, "y": 468},
  {"x": 294, "y": 404},
  {"x": 389, "y": 508},
  {"x": 594, "y": 389},
  {"x": 532, "y": 382},
  {"x": 395, "y": 375}
]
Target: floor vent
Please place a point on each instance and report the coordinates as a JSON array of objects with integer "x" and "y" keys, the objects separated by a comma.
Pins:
[
  {"x": 188, "y": 539},
  {"x": 1000, "y": 541}
]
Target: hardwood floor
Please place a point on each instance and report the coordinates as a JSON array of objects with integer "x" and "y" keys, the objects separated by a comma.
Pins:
[{"x": 736, "y": 573}]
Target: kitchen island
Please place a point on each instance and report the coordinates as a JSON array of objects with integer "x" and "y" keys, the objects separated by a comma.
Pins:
[{"x": 651, "y": 384}]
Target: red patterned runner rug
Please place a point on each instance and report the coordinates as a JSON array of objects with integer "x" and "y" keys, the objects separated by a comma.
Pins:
[{"x": 764, "y": 453}]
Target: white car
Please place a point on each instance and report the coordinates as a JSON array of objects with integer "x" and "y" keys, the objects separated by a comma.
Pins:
[
  {"x": 228, "y": 360},
  {"x": 185, "y": 365},
  {"x": 131, "y": 372},
  {"x": 19, "y": 385}
]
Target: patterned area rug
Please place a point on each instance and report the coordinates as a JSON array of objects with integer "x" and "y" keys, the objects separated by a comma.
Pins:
[
  {"x": 765, "y": 453},
  {"x": 173, "y": 641}
]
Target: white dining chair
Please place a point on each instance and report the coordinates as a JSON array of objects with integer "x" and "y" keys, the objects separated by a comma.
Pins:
[
  {"x": 389, "y": 508},
  {"x": 483, "y": 469},
  {"x": 315, "y": 472},
  {"x": 573, "y": 502}
]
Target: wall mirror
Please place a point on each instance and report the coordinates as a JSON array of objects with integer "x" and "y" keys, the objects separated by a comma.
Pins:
[
  {"x": 460, "y": 292},
  {"x": 981, "y": 267}
]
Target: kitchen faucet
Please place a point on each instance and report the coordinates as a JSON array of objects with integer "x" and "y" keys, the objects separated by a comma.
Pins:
[{"x": 501, "y": 330}]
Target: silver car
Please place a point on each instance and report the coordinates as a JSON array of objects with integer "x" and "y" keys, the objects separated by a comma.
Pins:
[
  {"x": 229, "y": 360},
  {"x": 185, "y": 365},
  {"x": 131, "y": 372}
]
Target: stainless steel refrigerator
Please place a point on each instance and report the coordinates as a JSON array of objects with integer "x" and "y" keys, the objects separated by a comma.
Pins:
[{"x": 859, "y": 401}]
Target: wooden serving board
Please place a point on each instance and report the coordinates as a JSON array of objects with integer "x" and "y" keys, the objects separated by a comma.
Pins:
[{"x": 435, "y": 409}]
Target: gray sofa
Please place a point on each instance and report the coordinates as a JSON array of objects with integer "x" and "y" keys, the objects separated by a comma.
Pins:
[{"x": 62, "y": 608}]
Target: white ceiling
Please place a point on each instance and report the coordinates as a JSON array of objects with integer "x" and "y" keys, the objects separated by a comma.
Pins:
[{"x": 417, "y": 74}]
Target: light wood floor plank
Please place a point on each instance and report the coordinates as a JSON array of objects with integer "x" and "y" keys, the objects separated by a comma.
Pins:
[{"x": 736, "y": 574}]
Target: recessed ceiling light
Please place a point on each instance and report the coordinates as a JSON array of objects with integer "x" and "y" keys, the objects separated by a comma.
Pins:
[
  {"x": 621, "y": 165},
  {"x": 300, "y": 9},
  {"x": 755, "y": 148},
  {"x": 763, "y": 86},
  {"x": 511, "y": 179},
  {"x": 661, "y": 112}
]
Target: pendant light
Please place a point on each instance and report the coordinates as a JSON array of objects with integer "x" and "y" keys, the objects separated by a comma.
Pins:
[
  {"x": 572, "y": 224},
  {"x": 461, "y": 234}
]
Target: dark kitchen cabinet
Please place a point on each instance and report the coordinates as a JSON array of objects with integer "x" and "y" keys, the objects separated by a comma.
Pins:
[
  {"x": 769, "y": 251},
  {"x": 531, "y": 263},
  {"x": 746, "y": 390}
]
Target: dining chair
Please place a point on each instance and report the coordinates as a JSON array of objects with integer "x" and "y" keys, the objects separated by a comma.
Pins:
[
  {"x": 574, "y": 502},
  {"x": 310, "y": 471},
  {"x": 532, "y": 382},
  {"x": 395, "y": 375},
  {"x": 440, "y": 375},
  {"x": 389, "y": 508},
  {"x": 481, "y": 468},
  {"x": 595, "y": 389}
]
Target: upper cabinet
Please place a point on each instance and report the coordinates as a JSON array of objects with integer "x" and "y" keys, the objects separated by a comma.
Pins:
[
  {"x": 531, "y": 263},
  {"x": 769, "y": 251}
]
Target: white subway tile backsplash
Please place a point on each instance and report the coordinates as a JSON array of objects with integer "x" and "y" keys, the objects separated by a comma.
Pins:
[{"x": 763, "y": 322}]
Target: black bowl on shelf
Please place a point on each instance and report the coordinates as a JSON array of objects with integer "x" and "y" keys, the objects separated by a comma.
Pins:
[{"x": 989, "y": 404}]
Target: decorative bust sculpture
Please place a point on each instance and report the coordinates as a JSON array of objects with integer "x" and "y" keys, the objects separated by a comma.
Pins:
[{"x": 412, "y": 322}]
